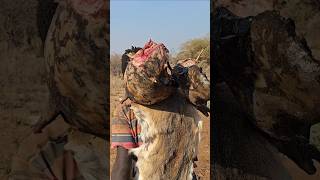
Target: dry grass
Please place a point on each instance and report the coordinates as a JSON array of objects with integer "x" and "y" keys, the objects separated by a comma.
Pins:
[{"x": 116, "y": 93}]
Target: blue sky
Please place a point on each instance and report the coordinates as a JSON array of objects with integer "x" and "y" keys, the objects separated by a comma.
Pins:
[{"x": 171, "y": 22}]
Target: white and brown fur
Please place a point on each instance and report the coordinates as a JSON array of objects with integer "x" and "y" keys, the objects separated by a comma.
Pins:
[{"x": 170, "y": 131}]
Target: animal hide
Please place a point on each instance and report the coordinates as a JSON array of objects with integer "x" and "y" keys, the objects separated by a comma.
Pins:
[
  {"x": 146, "y": 76},
  {"x": 273, "y": 76},
  {"x": 193, "y": 84},
  {"x": 76, "y": 52},
  {"x": 170, "y": 131}
]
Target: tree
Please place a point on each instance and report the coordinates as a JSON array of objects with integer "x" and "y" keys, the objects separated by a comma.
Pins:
[{"x": 192, "y": 49}]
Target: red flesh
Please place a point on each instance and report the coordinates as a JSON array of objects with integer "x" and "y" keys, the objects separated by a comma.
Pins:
[{"x": 146, "y": 52}]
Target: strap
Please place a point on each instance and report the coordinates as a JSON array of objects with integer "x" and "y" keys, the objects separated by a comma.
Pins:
[{"x": 48, "y": 165}]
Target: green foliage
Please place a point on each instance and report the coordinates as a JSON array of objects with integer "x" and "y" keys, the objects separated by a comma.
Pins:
[{"x": 192, "y": 48}]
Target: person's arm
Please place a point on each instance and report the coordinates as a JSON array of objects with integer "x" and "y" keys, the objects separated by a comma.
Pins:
[{"x": 123, "y": 165}]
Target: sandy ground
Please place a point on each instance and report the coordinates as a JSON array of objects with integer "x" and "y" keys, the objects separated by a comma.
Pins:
[{"x": 203, "y": 164}]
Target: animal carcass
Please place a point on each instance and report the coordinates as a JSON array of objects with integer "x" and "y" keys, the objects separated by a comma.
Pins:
[
  {"x": 170, "y": 131},
  {"x": 170, "y": 124},
  {"x": 273, "y": 76},
  {"x": 193, "y": 84},
  {"x": 146, "y": 76},
  {"x": 76, "y": 55}
]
